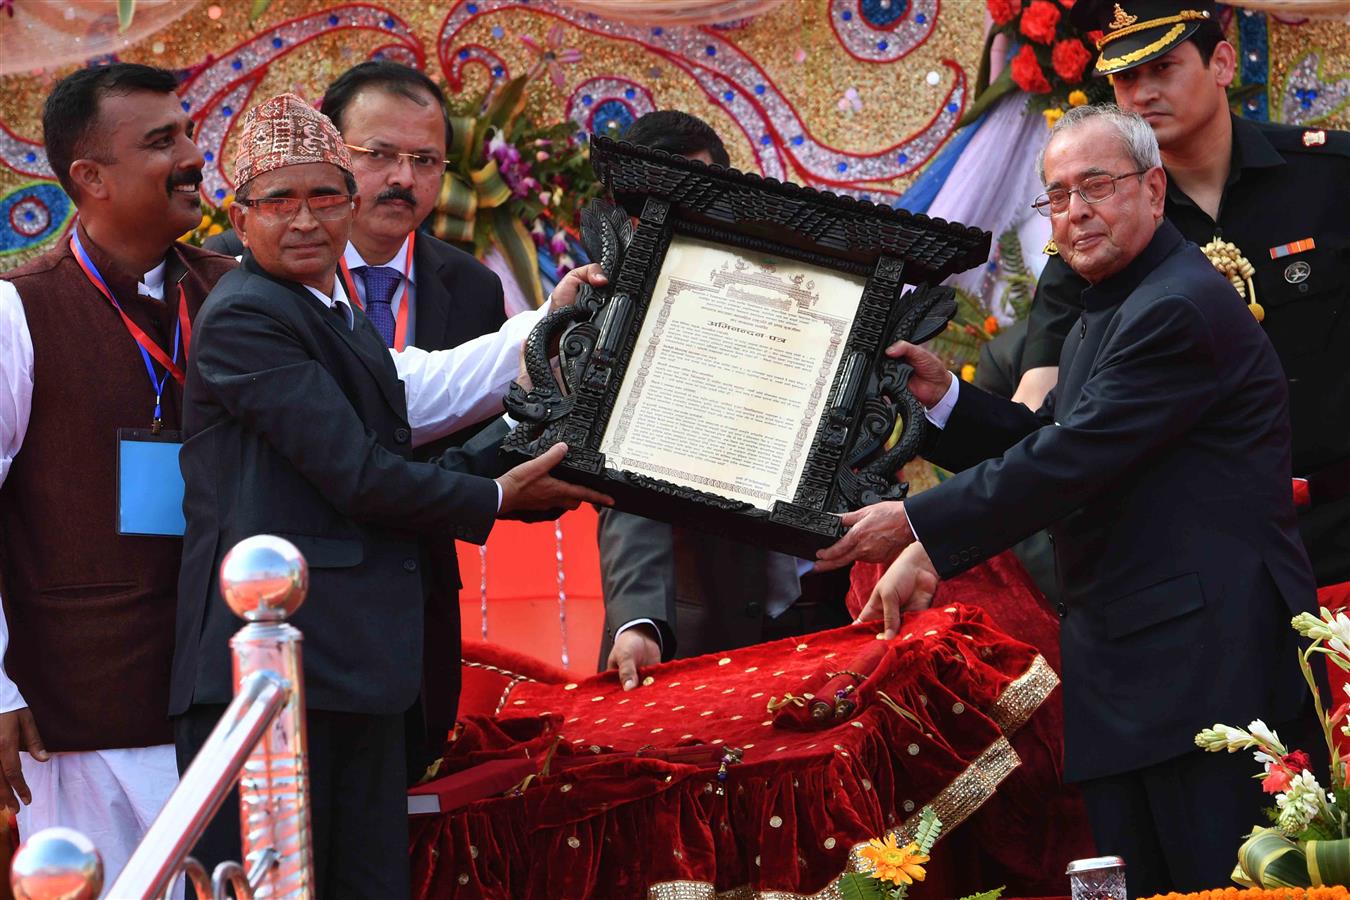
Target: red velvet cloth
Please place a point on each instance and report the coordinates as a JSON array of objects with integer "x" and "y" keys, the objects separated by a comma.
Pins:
[
  {"x": 604, "y": 819},
  {"x": 1027, "y": 834}
]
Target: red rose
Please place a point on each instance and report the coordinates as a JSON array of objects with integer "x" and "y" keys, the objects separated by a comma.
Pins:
[
  {"x": 1026, "y": 72},
  {"x": 1039, "y": 21},
  {"x": 1296, "y": 762},
  {"x": 1067, "y": 4},
  {"x": 1070, "y": 59},
  {"x": 1094, "y": 36},
  {"x": 1003, "y": 11}
]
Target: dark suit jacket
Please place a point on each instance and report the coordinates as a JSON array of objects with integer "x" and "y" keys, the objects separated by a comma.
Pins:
[
  {"x": 296, "y": 425},
  {"x": 1163, "y": 477},
  {"x": 704, "y": 592},
  {"x": 458, "y": 299}
]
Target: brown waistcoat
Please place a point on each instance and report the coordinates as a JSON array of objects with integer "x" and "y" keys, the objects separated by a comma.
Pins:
[{"x": 90, "y": 612}]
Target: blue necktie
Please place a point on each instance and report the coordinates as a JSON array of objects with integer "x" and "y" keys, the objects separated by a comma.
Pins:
[{"x": 380, "y": 282}]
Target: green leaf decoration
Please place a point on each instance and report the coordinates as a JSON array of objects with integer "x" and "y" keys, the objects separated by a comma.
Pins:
[
  {"x": 930, "y": 826},
  {"x": 126, "y": 9},
  {"x": 1272, "y": 860},
  {"x": 256, "y": 11},
  {"x": 1328, "y": 861},
  {"x": 995, "y": 894},
  {"x": 1021, "y": 283},
  {"x": 853, "y": 886},
  {"x": 1001, "y": 85}
]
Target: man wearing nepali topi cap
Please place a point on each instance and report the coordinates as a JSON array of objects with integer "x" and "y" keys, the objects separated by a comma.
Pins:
[{"x": 296, "y": 424}]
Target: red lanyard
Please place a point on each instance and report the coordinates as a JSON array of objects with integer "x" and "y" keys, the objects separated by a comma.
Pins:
[
  {"x": 147, "y": 344},
  {"x": 401, "y": 320}
]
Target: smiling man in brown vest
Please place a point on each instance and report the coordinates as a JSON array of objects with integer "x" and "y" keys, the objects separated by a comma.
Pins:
[{"x": 93, "y": 339}]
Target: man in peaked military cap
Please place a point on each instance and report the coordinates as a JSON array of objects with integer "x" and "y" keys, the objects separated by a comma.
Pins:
[{"x": 1279, "y": 195}]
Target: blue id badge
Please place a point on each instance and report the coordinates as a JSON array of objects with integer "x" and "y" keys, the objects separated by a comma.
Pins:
[{"x": 149, "y": 483}]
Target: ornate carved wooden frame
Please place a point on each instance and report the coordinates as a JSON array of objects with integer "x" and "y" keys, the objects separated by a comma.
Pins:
[{"x": 848, "y": 465}]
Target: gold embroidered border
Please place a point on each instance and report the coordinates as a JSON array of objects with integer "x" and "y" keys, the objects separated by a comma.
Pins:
[
  {"x": 1024, "y": 696},
  {"x": 953, "y": 804},
  {"x": 1110, "y": 65},
  {"x": 1186, "y": 15},
  {"x": 515, "y": 679}
]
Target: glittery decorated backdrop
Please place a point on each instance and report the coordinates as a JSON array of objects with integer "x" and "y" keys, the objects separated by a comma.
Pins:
[{"x": 853, "y": 95}]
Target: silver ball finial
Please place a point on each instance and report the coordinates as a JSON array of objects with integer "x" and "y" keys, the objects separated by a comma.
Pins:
[
  {"x": 57, "y": 864},
  {"x": 264, "y": 578}
]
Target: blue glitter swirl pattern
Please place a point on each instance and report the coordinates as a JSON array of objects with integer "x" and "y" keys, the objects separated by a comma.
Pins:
[
  {"x": 32, "y": 214},
  {"x": 882, "y": 30}
]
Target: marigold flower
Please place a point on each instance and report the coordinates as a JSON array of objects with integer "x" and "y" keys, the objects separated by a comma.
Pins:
[
  {"x": 1052, "y": 115},
  {"x": 991, "y": 325},
  {"x": 893, "y": 863},
  {"x": 1003, "y": 11},
  {"x": 968, "y": 372},
  {"x": 1039, "y": 21},
  {"x": 1077, "y": 98},
  {"x": 1070, "y": 59},
  {"x": 1026, "y": 72}
]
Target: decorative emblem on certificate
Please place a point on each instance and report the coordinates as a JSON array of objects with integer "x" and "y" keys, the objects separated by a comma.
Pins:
[{"x": 731, "y": 375}]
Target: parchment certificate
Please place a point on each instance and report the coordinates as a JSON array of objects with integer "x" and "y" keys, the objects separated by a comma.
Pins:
[{"x": 731, "y": 372}]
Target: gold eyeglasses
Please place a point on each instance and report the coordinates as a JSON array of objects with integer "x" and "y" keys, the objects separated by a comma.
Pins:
[
  {"x": 381, "y": 160},
  {"x": 325, "y": 207},
  {"x": 1094, "y": 189}
]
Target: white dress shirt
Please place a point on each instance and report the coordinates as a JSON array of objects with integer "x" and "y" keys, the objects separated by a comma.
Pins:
[{"x": 354, "y": 259}]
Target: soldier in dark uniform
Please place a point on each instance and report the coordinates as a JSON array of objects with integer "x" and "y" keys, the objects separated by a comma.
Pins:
[{"x": 1280, "y": 194}]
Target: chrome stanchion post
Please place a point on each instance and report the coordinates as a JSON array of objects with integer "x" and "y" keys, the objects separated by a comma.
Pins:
[
  {"x": 56, "y": 864},
  {"x": 264, "y": 580}
]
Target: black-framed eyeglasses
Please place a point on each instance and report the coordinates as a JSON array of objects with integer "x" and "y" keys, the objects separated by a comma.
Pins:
[
  {"x": 1094, "y": 189},
  {"x": 325, "y": 207},
  {"x": 383, "y": 160}
]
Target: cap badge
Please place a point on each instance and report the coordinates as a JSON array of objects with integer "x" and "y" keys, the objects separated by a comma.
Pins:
[{"x": 1122, "y": 19}]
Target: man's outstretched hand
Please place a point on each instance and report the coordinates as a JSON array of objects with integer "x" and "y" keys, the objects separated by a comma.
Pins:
[
  {"x": 530, "y": 488},
  {"x": 634, "y": 649},
  {"x": 876, "y": 533},
  {"x": 18, "y": 731},
  {"x": 909, "y": 584}
]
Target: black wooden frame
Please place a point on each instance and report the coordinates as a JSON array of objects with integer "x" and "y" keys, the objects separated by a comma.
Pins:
[{"x": 848, "y": 465}]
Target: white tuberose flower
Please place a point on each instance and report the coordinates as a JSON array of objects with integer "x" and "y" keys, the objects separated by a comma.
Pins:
[
  {"x": 1225, "y": 737},
  {"x": 1300, "y": 803},
  {"x": 1267, "y": 738}
]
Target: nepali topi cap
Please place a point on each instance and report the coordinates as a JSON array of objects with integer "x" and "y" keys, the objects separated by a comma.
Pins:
[
  {"x": 286, "y": 131},
  {"x": 1136, "y": 31}
]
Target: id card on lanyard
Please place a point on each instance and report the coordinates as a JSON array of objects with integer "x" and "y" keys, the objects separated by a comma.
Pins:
[
  {"x": 401, "y": 320},
  {"x": 149, "y": 483}
]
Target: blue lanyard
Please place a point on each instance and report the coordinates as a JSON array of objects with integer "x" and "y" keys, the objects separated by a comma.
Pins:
[{"x": 142, "y": 339}]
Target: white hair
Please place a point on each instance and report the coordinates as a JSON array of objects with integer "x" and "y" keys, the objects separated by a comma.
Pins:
[{"x": 1135, "y": 134}]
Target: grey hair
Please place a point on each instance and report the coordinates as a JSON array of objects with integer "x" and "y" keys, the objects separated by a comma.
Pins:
[{"x": 1139, "y": 140}]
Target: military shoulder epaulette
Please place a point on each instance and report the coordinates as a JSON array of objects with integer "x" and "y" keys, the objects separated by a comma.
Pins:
[{"x": 1307, "y": 139}]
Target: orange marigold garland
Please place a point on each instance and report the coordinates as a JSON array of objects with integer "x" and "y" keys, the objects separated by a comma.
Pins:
[{"x": 1295, "y": 893}]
